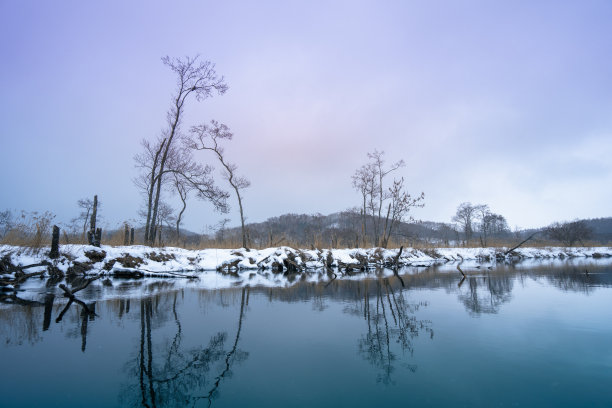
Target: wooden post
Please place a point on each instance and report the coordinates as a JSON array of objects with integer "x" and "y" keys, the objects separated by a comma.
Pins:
[
  {"x": 126, "y": 235},
  {"x": 132, "y": 236},
  {"x": 92, "y": 233},
  {"x": 94, "y": 214},
  {"x": 55, "y": 243}
]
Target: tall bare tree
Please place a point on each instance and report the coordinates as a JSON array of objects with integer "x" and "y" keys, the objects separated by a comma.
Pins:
[
  {"x": 194, "y": 77},
  {"x": 208, "y": 137}
]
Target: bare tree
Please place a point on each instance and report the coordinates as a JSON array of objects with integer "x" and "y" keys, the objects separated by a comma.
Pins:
[
  {"x": 186, "y": 176},
  {"x": 465, "y": 217},
  {"x": 6, "y": 222},
  {"x": 364, "y": 181},
  {"x": 208, "y": 137},
  {"x": 194, "y": 77},
  {"x": 380, "y": 172},
  {"x": 86, "y": 206},
  {"x": 220, "y": 229},
  {"x": 165, "y": 217},
  {"x": 400, "y": 205},
  {"x": 369, "y": 181},
  {"x": 490, "y": 224},
  {"x": 483, "y": 213}
]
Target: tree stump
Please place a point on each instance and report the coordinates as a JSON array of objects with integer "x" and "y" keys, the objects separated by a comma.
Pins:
[
  {"x": 98, "y": 236},
  {"x": 55, "y": 243}
]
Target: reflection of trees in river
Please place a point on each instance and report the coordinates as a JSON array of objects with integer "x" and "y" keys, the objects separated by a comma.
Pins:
[
  {"x": 485, "y": 294},
  {"x": 169, "y": 375},
  {"x": 391, "y": 321}
]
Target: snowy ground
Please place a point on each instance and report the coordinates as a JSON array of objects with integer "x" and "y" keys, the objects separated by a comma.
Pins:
[{"x": 282, "y": 266}]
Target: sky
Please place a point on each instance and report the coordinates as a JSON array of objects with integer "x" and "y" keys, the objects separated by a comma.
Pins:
[{"x": 505, "y": 103}]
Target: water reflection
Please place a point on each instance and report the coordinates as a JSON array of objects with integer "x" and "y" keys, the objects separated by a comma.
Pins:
[
  {"x": 166, "y": 362},
  {"x": 485, "y": 294},
  {"x": 391, "y": 321},
  {"x": 170, "y": 375}
]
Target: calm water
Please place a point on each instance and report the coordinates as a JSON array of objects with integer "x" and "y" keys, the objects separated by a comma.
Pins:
[{"x": 514, "y": 336}]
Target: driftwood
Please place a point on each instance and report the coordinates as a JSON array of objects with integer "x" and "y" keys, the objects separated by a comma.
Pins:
[
  {"x": 69, "y": 293},
  {"x": 21, "y": 277}
]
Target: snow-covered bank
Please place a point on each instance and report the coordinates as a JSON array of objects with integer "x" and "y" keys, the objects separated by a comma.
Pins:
[{"x": 267, "y": 267}]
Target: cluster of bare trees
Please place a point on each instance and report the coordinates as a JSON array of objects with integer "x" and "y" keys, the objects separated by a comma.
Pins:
[
  {"x": 377, "y": 198},
  {"x": 569, "y": 232},
  {"x": 168, "y": 165},
  {"x": 479, "y": 218}
]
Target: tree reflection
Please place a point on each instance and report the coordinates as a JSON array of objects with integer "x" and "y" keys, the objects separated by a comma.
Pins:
[
  {"x": 178, "y": 377},
  {"x": 391, "y": 321},
  {"x": 485, "y": 294}
]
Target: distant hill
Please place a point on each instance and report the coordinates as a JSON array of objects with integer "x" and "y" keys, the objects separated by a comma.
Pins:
[
  {"x": 602, "y": 229},
  {"x": 343, "y": 229}
]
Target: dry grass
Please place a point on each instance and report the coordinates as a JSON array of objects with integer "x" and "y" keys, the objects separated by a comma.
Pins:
[
  {"x": 30, "y": 230},
  {"x": 33, "y": 231}
]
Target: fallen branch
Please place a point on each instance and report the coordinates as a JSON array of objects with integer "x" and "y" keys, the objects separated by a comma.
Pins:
[
  {"x": 22, "y": 277},
  {"x": 528, "y": 238}
]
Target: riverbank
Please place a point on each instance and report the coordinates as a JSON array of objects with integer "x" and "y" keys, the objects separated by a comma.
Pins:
[{"x": 141, "y": 261}]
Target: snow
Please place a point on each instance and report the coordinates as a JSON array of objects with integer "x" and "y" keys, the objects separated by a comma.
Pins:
[{"x": 270, "y": 267}]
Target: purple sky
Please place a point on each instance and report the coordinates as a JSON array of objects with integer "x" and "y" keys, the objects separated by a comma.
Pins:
[{"x": 504, "y": 103}]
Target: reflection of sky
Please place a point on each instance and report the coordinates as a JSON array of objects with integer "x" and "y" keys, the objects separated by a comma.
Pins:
[
  {"x": 505, "y": 104},
  {"x": 542, "y": 346}
]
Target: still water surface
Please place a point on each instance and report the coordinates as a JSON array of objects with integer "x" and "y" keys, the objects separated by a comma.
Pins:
[{"x": 532, "y": 336}]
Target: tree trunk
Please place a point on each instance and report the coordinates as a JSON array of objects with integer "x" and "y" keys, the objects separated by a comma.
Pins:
[
  {"x": 244, "y": 239},
  {"x": 92, "y": 235},
  {"x": 151, "y": 190},
  {"x": 177, "y": 115},
  {"x": 180, "y": 216}
]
